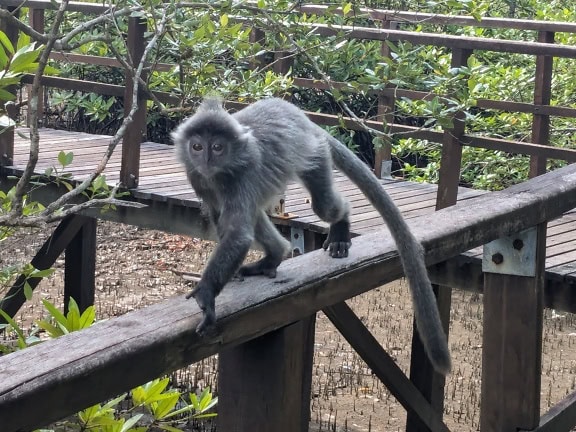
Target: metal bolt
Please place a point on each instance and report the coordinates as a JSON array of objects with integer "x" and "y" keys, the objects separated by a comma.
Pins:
[
  {"x": 518, "y": 244},
  {"x": 497, "y": 258}
]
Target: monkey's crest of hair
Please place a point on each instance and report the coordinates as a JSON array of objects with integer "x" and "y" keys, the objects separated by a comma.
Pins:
[{"x": 211, "y": 103}]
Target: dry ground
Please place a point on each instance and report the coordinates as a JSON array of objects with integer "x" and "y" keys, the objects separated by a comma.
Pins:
[{"x": 134, "y": 269}]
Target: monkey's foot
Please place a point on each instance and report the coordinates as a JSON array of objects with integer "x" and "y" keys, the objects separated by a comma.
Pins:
[
  {"x": 205, "y": 299},
  {"x": 338, "y": 241},
  {"x": 266, "y": 266}
]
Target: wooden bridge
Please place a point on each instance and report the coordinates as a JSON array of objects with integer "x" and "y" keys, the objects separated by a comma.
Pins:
[{"x": 267, "y": 327}]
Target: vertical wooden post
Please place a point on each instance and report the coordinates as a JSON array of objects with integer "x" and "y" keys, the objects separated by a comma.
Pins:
[
  {"x": 7, "y": 134},
  {"x": 386, "y": 106},
  {"x": 129, "y": 171},
  {"x": 422, "y": 374},
  {"x": 542, "y": 95},
  {"x": 512, "y": 345},
  {"x": 257, "y": 36},
  {"x": 264, "y": 385},
  {"x": 36, "y": 17},
  {"x": 80, "y": 265}
]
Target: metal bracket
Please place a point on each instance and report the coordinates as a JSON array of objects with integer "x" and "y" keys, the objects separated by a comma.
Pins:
[
  {"x": 386, "y": 169},
  {"x": 514, "y": 255},
  {"x": 297, "y": 241},
  {"x": 276, "y": 208}
]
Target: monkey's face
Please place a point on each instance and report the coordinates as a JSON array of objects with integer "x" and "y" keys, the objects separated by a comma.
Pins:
[{"x": 208, "y": 154}]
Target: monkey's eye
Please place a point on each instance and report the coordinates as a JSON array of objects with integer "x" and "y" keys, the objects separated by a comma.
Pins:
[
  {"x": 217, "y": 148},
  {"x": 197, "y": 147}
]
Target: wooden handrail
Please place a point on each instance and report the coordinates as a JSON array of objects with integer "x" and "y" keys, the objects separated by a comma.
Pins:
[{"x": 410, "y": 17}]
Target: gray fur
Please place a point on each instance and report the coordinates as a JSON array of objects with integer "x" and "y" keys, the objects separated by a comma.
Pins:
[{"x": 243, "y": 160}]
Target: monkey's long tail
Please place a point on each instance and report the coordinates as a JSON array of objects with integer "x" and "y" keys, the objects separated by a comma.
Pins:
[{"x": 411, "y": 255}]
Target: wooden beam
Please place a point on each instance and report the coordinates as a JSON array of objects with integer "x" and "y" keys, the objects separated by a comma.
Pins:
[
  {"x": 107, "y": 358},
  {"x": 542, "y": 96},
  {"x": 560, "y": 418},
  {"x": 263, "y": 385},
  {"x": 443, "y": 19},
  {"x": 450, "y": 41},
  {"x": 512, "y": 347},
  {"x": 80, "y": 266},
  {"x": 44, "y": 259},
  {"x": 134, "y": 136}
]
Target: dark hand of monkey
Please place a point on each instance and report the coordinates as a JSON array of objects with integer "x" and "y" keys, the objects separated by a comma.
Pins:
[
  {"x": 204, "y": 296},
  {"x": 338, "y": 241},
  {"x": 266, "y": 266}
]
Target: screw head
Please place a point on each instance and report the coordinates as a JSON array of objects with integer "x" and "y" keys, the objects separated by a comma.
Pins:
[
  {"x": 497, "y": 258},
  {"x": 518, "y": 244}
]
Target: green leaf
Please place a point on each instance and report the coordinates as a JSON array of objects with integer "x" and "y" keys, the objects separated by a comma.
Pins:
[
  {"x": 131, "y": 422},
  {"x": 55, "y": 313},
  {"x": 24, "y": 61},
  {"x": 42, "y": 273},
  {"x": 347, "y": 8},
  {"x": 88, "y": 317},
  {"x": 27, "y": 291},
  {"x": 16, "y": 327},
  {"x": 23, "y": 41},
  {"x": 52, "y": 330},
  {"x": 166, "y": 405},
  {"x": 6, "y": 42},
  {"x": 65, "y": 159},
  {"x": 224, "y": 20}
]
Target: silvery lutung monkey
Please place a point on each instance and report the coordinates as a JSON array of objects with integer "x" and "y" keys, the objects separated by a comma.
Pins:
[{"x": 237, "y": 163}]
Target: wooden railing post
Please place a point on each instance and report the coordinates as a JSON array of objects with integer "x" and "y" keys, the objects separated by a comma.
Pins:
[
  {"x": 542, "y": 95},
  {"x": 129, "y": 172},
  {"x": 80, "y": 265},
  {"x": 386, "y": 107},
  {"x": 513, "y": 305},
  {"x": 264, "y": 385},
  {"x": 422, "y": 374},
  {"x": 7, "y": 134},
  {"x": 512, "y": 337},
  {"x": 36, "y": 17}
]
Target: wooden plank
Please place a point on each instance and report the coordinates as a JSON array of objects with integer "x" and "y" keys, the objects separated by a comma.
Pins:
[
  {"x": 108, "y": 361},
  {"x": 134, "y": 136},
  {"x": 451, "y": 41},
  {"x": 443, "y": 19},
  {"x": 512, "y": 347},
  {"x": 44, "y": 259},
  {"x": 383, "y": 366},
  {"x": 561, "y": 417},
  {"x": 269, "y": 392},
  {"x": 80, "y": 266},
  {"x": 542, "y": 95}
]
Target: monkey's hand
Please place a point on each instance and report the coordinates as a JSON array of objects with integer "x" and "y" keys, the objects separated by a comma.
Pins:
[
  {"x": 338, "y": 241},
  {"x": 266, "y": 266},
  {"x": 204, "y": 296}
]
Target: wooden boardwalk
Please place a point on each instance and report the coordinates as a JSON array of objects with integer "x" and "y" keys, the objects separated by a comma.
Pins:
[{"x": 162, "y": 180}]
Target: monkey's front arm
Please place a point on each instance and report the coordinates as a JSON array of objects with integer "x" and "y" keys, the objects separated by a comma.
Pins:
[{"x": 236, "y": 232}]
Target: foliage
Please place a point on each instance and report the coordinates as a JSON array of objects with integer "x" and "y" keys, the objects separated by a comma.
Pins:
[{"x": 148, "y": 407}]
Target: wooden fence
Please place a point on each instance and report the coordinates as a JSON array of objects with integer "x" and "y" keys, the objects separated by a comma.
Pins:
[
  {"x": 175, "y": 345},
  {"x": 47, "y": 381}
]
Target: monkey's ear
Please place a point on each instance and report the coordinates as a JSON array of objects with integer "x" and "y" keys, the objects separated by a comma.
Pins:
[{"x": 211, "y": 103}]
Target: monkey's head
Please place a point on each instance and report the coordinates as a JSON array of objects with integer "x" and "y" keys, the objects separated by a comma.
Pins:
[{"x": 211, "y": 141}]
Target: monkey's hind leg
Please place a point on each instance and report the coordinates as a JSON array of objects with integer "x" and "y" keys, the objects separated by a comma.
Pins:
[
  {"x": 330, "y": 207},
  {"x": 275, "y": 247}
]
